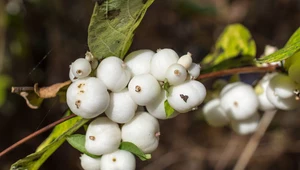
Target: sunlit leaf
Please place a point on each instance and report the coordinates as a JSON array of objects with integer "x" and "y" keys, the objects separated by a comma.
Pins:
[
  {"x": 168, "y": 109},
  {"x": 78, "y": 142},
  {"x": 35, "y": 160},
  {"x": 112, "y": 26}
]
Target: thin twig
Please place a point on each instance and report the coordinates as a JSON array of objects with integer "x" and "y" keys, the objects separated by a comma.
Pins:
[
  {"x": 254, "y": 140},
  {"x": 36, "y": 133},
  {"x": 20, "y": 89},
  {"x": 241, "y": 70}
]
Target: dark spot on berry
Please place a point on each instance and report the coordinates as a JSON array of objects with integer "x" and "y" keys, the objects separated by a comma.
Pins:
[
  {"x": 184, "y": 97},
  {"x": 114, "y": 159},
  {"x": 138, "y": 88},
  {"x": 236, "y": 104},
  {"x": 92, "y": 138},
  {"x": 77, "y": 103}
]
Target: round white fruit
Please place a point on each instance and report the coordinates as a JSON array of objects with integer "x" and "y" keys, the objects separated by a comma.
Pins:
[
  {"x": 87, "y": 97},
  {"x": 246, "y": 126},
  {"x": 294, "y": 72},
  {"x": 143, "y": 131},
  {"x": 214, "y": 114},
  {"x": 161, "y": 61},
  {"x": 239, "y": 100},
  {"x": 139, "y": 61},
  {"x": 187, "y": 96},
  {"x": 71, "y": 75},
  {"x": 114, "y": 73},
  {"x": 81, "y": 68},
  {"x": 121, "y": 108},
  {"x": 186, "y": 60},
  {"x": 157, "y": 108},
  {"x": 261, "y": 91},
  {"x": 283, "y": 86},
  {"x": 176, "y": 74},
  {"x": 281, "y": 103},
  {"x": 102, "y": 136},
  {"x": 89, "y": 163},
  {"x": 194, "y": 71},
  {"x": 118, "y": 160},
  {"x": 143, "y": 89}
]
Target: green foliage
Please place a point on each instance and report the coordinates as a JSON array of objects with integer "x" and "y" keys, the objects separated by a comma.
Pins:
[
  {"x": 130, "y": 147},
  {"x": 112, "y": 26},
  {"x": 235, "y": 41},
  {"x": 168, "y": 109},
  {"x": 291, "y": 47},
  {"x": 166, "y": 86},
  {"x": 57, "y": 138},
  {"x": 78, "y": 142},
  {"x": 5, "y": 83}
]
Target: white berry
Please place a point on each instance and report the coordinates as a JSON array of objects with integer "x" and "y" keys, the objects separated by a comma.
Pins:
[
  {"x": 281, "y": 103},
  {"x": 121, "y": 108},
  {"x": 161, "y": 61},
  {"x": 102, "y": 136},
  {"x": 87, "y": 97},
  {"x": 157, "y": 108},
  {"x": 139, "y": 61},
  {"x": 143, "y": 131},
  {"x": 247, "y": 126},
  {"x": 114, "y": 73},
  {"x": 118, "y": 160},
  {"x": 194, "y": 71},
  {"x": 176, "y": 74},
  {"x": 187, "y": 96},
  {"x": 81, "y": 68},
  {"x": 239, "y": 100},
  {"x": 283, "y": 86},
  {"x": 186, "y": 60},
  {"x": 214, "y": 114},
  {"x": 89, "y": 163},
  {"x": 143, "y": 89}
]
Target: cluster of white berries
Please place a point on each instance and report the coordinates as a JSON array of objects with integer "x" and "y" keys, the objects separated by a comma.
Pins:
[
  {"x": 118, "y": 89},
  {"x": 239, "y": 103}
]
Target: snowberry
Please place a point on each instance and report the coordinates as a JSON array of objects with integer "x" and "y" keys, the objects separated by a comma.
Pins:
[
  {"x": 157, "y": 108},
  {"x": 143, "y": 89},
  {"x": 281, "y": 103},
  {"x": 294, "y": 59},
  {"x": 294, "y": 72},
  {"x": 118, "y": 160},
  {"x": 187, "y": 96},
  {"x": 139, "y": 61},
  {"x": 121, "y": 108},
  {"x": 194, "y": 71},
  {"x": 239, "y": 100},
  {"x": 114, "y": 73},
  {"x": 87, "y": 97},
  {"x": 261, "y": 91},
  {"x": 81, "y": 68},
  {"x": 176, "y": 74},
  {"x": 143, "y": 131},
  {"x": 161, "y": 61},
  {"x": 283, "y": 86},
  {"x": 102, "y": 136},
  {"x": 71, "y": 75},
  {"x": 89, "y": 163},
  {"x": 246, "y": 126},
  {"x": 186, "y": 60},
  {"x": 214, "y": 114}
]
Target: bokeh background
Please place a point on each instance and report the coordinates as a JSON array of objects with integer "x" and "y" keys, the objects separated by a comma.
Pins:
[{"x": 40, "y": 38}]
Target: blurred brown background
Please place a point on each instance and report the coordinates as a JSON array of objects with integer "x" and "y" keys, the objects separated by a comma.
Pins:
[{"x": 39, "y": 39}]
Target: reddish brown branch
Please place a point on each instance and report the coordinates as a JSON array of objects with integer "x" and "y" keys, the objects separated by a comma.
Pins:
[
  {"x": 241, "y": 70},
  {"x": 48, "y": 127}
]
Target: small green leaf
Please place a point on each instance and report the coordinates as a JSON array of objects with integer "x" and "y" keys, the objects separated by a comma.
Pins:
[
  {"x": 130, "y": 147},
  {"x": 78, "y": 142},
  {"x": 112, "y": 26},
  {"x": 235, "y": 41},
  {"x": 166, "y": 86},
  {"x": 35, "y": 160},
  {"x": 168, "y": 109},
  {"x": 291, "y": 47}
]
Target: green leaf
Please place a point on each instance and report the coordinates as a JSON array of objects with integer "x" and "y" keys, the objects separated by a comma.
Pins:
[
  {"x": 35, "y": 160},
  {"x": 166, "y": 86},
  {"x": 130, "y": 147},
  {"x": 235, "y": 41},
  {"x": 5, "y": 83},
  {"x": 168, "y": 109},
  {"x": 78, "y": 142},
  {"x": 291, "y": 47},
  {"x": 112, "y": 26}
]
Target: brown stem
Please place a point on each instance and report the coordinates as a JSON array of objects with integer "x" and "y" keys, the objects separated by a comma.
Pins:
[
  {"x": 20, "y": 89},
  {"x": 36, "y": 133},
  {"x": 237, "y": 70},
  {"x": 254, "y": 140}
]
